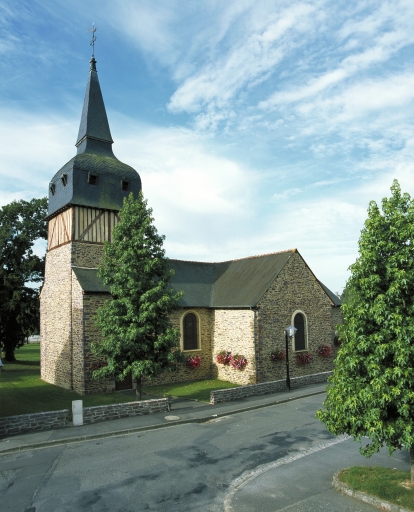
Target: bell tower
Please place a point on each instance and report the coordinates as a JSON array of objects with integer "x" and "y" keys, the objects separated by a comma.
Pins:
[{"x": 85, "y": 196}]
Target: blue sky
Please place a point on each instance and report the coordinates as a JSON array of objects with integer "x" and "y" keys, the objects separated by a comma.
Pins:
[{"x": 256, "y": 125}]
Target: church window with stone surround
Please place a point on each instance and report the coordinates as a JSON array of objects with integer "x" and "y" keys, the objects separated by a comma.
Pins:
[
  {"x": 301, "y": 335},
  {"x": 190, "y": 332}
]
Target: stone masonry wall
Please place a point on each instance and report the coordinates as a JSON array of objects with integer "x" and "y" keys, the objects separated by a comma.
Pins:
[
  {"x": 226, "y": 395},
  {"x": 67, "y": 320},
  {"x": 337, "y": 318},
  {"x": 234, "y": 331},
  {"x": 86, "y": 254},
  {"x": 78, "y": 379},
  {"x": 183, "y": 372},
  {"x": 100, "y": 413},
  {"x": 91, "y": 303},
  {"x": 55, "y": 319},
  {"x": 295, "y": 288},
  {"x": 59, "y": 419},
  {"x": 33, "y": 422}
]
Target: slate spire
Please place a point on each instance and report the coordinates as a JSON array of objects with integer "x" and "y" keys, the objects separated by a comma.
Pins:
[{"x": 94, "y": 133}]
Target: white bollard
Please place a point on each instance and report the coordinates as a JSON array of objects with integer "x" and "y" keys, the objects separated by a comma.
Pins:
[{"x": 77, "y": 413}]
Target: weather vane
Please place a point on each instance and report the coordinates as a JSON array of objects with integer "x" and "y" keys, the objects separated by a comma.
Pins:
[{"x": 93, "y": 30}]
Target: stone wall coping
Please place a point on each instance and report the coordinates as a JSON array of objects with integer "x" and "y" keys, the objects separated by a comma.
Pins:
[{"x": 34, "y": 415}]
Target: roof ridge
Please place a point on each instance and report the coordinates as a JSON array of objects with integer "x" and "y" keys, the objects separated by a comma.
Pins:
[{"x": 236, "y": 259}]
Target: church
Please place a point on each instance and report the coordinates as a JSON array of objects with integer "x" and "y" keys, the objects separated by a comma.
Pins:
[{"x": 240, "y": 306}]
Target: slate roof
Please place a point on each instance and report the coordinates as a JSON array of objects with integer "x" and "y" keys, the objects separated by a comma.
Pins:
[
  {"x": 237, "y": 283},
  {"x": 94, "y": 121},
  {"x": 334, "y": 298},
  {"x": 89, "y": 280},
  {"x": 94, "y": 156}
]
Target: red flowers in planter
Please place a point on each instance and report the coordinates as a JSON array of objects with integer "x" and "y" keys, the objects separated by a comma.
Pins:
[
  {"x": 324, "y": 350},
  {"x": 194, "y": 362},
  {"x": 238, "y": 362},
  {"x": 224, "y": 357},
  {"x": 303, "y": 358},
  {"x": 278, "y": 355}
]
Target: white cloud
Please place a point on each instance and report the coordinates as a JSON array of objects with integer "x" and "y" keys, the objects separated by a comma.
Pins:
[
  {"x": 249, "y": 58},
  {"x": 33, "y": 149}
]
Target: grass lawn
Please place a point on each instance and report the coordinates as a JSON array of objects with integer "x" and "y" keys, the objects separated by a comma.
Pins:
[
  {"x": 385, "y": 483},
  {"x": 22, "y": 391},
  {"x": 197, "y": 390}
]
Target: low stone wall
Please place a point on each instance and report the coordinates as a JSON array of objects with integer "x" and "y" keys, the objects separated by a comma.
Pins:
[
  {"x": 60, "y": 419},
  {"x": 113, "y": 412},
  {"x": 32, "y": 422},
  {"x": 226, "y": 395}
]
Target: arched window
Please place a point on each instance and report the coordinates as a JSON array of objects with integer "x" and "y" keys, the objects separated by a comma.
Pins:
[
  {"x": 301, "y": 335},
  {"x": 190, "y": 332}
]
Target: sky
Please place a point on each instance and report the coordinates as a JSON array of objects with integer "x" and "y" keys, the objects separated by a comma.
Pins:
[{"x": 256, "y": 126}]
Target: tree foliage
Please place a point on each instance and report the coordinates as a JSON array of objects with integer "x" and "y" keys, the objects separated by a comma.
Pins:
[
  {"x": 137, "y": 336},
  {"x": 21, "y": 224},
  {"x": 371, "y": 391}
]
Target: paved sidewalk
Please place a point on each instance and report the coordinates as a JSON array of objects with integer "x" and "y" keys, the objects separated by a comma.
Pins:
[
  {"x": 186, "y": 411},
  {"x": 302, "y": 482}
]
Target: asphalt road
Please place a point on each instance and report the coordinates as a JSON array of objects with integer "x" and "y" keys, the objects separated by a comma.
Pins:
[{"x": 182, "y": 468}]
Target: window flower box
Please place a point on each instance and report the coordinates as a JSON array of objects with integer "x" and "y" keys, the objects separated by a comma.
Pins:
[
  {"x": 238, "y": 362},
  {"x": 194, "y": 362},
  {"x": 278, "y": 355},
  {"x": 224, "y": 357},
  {"x": 303, "y": 358},
  {"x": 324, "y": 350}
]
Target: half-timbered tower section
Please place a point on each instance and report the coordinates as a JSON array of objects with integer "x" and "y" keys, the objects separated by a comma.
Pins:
[{"x": 85, "y": 196}]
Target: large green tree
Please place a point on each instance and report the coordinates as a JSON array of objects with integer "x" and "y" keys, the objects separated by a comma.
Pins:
[
  {"x": 371, "y": 391},
  {"x": 21, "y": 224},
  {"x": 137, "y": 336}
]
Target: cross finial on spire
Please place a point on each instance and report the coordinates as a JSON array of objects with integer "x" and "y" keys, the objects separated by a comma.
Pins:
[{"x": 93, "y": 30}]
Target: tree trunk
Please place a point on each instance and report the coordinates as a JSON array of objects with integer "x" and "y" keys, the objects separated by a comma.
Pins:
[
  {"x": 412, "y": 463},
  {"x": 138, "y": 390},
  {"x": 9, "y": 354}
]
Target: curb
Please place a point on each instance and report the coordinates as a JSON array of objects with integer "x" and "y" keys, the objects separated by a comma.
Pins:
[
  {"x": 126, "y": 432},
  {"x": 367, "y": 498},
  {"x": 248, "y": 476}
]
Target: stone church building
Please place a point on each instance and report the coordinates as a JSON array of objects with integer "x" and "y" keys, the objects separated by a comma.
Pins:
[{"x": 242, "y": 306}]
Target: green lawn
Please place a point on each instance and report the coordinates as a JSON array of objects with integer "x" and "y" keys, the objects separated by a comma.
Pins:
[
  {"x": 22, "y": 391},
  {"x": 385, "y": 483},
  {"x": 197, "y": 390}
]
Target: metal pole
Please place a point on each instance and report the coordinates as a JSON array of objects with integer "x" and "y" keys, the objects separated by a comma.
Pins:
[{"x": 287, "y": 362}]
